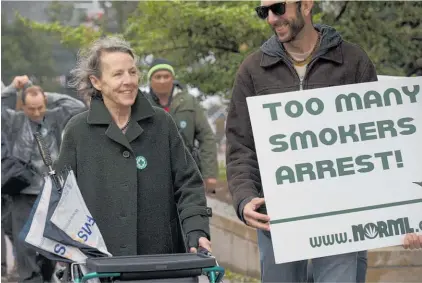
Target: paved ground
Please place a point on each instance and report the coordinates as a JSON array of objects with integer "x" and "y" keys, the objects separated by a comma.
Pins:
[
  {"x": 204, "y": 279},
  {"x": 222, "y": 208}
]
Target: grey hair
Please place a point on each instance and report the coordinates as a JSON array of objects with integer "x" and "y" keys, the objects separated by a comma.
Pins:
[{"x": 89, "y": 63}]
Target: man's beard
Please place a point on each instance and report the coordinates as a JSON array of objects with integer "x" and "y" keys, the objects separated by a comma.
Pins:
[{"x": 295, "y": 27}]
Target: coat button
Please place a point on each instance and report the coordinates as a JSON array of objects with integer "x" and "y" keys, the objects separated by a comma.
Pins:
[
  {"x": 126, "y": 154},
  {"x": 209, "y": 211}
]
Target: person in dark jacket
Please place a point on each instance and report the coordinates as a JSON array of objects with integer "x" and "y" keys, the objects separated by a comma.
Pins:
[
  {"x": 138, "y": 180},
  {"x": 5, "y": 213},
  {"x": 300, "y": 55},
  {"x": 190, "y": 118},
  {"x": 18, "y": 128}
]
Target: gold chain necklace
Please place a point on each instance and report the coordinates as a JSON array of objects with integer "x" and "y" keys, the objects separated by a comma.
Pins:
[{"x": 307, "y": 59}]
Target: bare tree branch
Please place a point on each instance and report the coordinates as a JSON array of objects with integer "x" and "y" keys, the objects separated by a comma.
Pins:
[{"x": 343, "y": 9}]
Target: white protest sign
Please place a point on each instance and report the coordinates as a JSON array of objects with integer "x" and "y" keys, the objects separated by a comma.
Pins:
[{"x": 340, "y": 166}]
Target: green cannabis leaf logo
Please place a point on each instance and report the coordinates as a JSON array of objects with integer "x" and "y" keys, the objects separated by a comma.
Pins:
[{"x": 371, "y": 231}]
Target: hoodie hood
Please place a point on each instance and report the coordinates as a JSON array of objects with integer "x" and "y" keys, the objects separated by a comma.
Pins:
[{"x": 329, "y": 38}]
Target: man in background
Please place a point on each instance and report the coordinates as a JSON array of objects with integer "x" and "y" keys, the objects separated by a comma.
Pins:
[
  {"x": 46, "y": 114},
  {"x": 189, "y": 116}
]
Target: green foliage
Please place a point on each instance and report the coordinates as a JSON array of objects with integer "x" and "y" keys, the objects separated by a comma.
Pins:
[
  {"x": 239, "y": 278},
  {"x": 207, "y": 40},
  {"x": 70, "y": 36},
  {"x": 387, "y": 31},
  {"x": 222, "y": 171},
  {"x": 24, "y": 51}
]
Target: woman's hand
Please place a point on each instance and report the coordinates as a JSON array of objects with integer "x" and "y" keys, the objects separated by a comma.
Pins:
[{"x": 202, "y": 242}]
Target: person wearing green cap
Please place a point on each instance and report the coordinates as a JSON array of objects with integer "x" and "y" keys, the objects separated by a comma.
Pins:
[{"x": 169, "y": 94}]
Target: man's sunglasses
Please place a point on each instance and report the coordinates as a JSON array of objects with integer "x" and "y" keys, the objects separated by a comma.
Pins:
[{"x": 277, "y": 8}]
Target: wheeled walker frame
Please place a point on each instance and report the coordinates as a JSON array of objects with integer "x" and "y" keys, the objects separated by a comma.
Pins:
[{"x": 150, "y": 268}]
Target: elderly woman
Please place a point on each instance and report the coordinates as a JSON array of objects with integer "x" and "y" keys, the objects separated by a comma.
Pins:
[{"x": 134, "y": 172}]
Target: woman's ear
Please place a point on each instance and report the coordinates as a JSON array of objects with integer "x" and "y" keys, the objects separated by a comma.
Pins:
[{"x": 95, "y": 82}]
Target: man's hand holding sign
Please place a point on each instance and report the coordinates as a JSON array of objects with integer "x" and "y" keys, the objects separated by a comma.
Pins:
[
  {"x": 339, "y": 167},
  {"x": 254, "y": 218}
]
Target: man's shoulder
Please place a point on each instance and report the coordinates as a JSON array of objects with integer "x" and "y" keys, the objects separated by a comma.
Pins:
[
  {"x": 353, "y": 51},
  {"x": 185, "y": 93},
  {"x": 57, "y": 112},
  {"x": 12, "y": 113},
  {"x": 188, "y": 98},
  {"x": 253, "y": 60},
  {"x": 161, "y": 120}
]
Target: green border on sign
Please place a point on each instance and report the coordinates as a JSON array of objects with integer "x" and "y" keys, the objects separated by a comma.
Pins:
[{"x": 345, "y": 211}]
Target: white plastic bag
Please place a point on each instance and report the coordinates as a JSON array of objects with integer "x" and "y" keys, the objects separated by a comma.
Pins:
[
  {"x": 73, "y": 217},
  {"x": 35, "y": 237}
]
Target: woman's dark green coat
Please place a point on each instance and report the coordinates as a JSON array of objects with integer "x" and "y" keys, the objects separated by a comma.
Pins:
[{"x": 133, "y": 183}]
